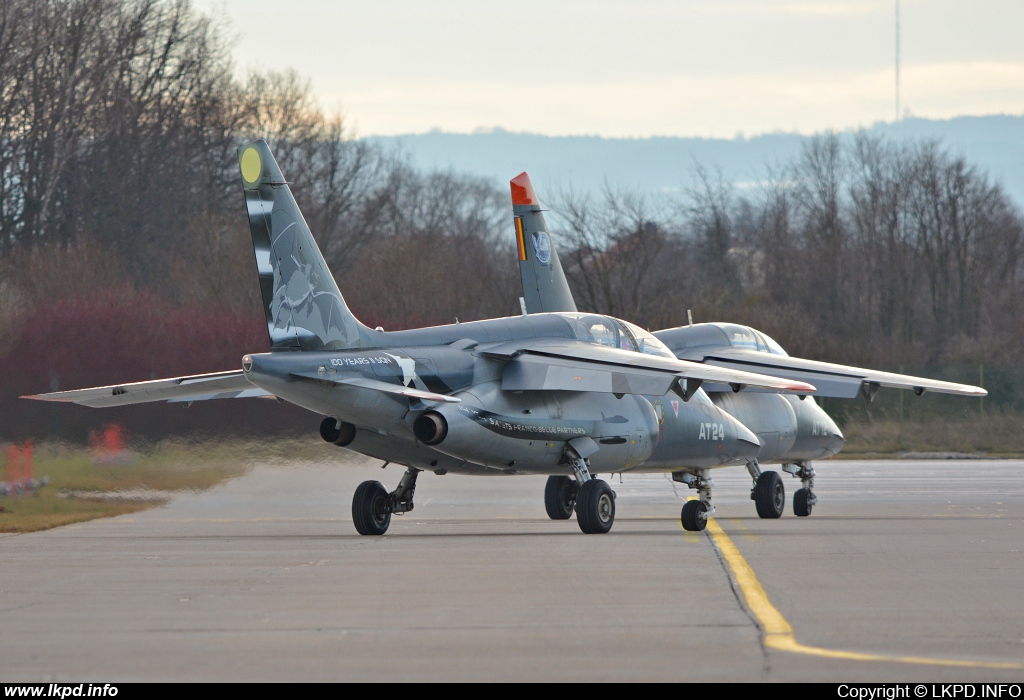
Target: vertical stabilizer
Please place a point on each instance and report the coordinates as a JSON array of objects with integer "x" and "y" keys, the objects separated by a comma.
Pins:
[
  {"x": 305, "y": 309},
  {"x": 544, "y": 285}
]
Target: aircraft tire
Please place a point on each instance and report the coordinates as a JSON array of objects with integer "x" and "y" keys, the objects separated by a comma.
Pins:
[
  {"x": 560, "y": 494},
  {"x": 595, "y": 507},
  {"x": 801, "y": 505},
  {"x": 370, "y": 512},
  {"x": 770, "y": 495},
  {"x": 692, "y": 516}
]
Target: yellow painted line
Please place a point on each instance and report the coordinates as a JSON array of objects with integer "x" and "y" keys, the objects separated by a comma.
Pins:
[
  {"x": 745, "y": 531},
  {"x": 778, "y": 633}
]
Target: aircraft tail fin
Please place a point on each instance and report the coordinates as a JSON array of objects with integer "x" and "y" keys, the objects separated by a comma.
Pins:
[
  {"x": 305, "y": 309},
  {"x": 544, "y": 284}
]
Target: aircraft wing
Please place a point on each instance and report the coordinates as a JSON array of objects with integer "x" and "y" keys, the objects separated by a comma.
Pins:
[
  {"x": 569, "y": 365},
  {"x": 832, "y": 380},
  {"x": 196, "y": 387}
]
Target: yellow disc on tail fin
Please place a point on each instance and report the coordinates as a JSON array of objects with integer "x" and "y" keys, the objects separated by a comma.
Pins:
[{"x": 251, "y": 165}]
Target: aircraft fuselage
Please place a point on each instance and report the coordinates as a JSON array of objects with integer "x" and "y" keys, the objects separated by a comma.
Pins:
[{"x": 489, "y": 430}]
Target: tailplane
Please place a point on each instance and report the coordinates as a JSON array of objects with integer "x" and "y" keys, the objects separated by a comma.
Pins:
[
  {"x": 305, "y": 309},
  {"x": 544, "y": 285}
]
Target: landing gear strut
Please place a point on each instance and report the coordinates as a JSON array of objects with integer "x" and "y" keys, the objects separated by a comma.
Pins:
[
  {"x": 804, "y": 499},
  {"x": 695, "y": 513},
  {"x": 594, "y": 499},
  {"x": 372, "y": 505}
]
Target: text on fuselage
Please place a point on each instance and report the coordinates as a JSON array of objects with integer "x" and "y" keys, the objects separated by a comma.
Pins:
[{"x": 712, "y": 431}]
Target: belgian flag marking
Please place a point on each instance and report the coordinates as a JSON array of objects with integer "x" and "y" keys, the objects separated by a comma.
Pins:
[{"x": 520, "y": 239}]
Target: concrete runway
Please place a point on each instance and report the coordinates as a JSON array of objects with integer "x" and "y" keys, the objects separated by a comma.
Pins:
[{"x": 265, "y": 578}]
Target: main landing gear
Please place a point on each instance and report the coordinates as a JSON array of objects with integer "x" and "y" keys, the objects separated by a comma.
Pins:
[
  {"x": 767, "y": 492},
  {"x": 695, "y": 513},
  {"x": 372, "y": 505},
  {"x": 804, "y": 499},
  {"x": 592, "y": 499}
]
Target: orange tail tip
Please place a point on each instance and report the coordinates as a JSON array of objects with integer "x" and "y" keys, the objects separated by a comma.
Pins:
[{"x": 522, "y": 190}]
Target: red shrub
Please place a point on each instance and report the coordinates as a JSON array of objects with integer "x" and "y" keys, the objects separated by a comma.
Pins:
[{"x": 117, "y": 337}]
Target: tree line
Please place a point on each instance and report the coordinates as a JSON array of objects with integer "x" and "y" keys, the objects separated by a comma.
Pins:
[
  {"x": 119, "y": 121},
  {"x": 862, "y": 250}
]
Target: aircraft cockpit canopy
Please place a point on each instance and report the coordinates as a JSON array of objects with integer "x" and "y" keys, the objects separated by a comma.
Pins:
[
  {"x": 747, "y": 338},
  {"x": 614, "y": 333},
  {"x": 647, "y": 343},
  {"x": 704, "y": 335}
]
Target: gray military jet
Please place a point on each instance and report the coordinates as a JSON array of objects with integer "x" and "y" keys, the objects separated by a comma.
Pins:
[
  {"x": 792, "y": 430},
  {"x": 562, "y": 394}
]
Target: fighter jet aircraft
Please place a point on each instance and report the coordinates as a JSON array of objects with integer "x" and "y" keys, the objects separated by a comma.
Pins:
[
  {"x": 563, "y": 394},
  {"x": 791, "y": 430}
]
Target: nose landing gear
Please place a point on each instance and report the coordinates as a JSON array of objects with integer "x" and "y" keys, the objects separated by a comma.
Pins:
[
  {"x": 695, "y": 514},
  {"x": 804, "y": 499}
]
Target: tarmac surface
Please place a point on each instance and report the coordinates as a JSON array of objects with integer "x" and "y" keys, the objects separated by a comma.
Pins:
[{"x": 906, "y": 571}]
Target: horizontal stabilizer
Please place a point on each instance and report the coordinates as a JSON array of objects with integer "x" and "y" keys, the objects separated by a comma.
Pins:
[
  {"x": 196, "y": 387},
  {"x": 377, "y": 385},
  {"x": 831, "y": 380},
  {"x": 617, "y": 370}
]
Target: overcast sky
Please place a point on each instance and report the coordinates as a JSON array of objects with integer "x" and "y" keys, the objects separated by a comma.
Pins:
[{"x": 637, "y": 68}]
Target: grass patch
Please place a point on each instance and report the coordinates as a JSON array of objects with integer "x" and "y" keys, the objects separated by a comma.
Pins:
[
  {"x": 996, "y": 433},
  {"x": 46, "y": 508},
  {"x": 84, "y": 486}
]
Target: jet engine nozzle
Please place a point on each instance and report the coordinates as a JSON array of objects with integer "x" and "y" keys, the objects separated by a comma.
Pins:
[
  {"x": 430, "y": 428},
  {"x": 337, "y": 431}
]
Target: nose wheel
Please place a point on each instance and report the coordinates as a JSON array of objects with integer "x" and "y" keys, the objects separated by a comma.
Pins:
[
  {"x": 804, "y": 499},
  {"x": 801, "y": 503},
  {"x": 695, "y": 513},
  {"x": 694, "y": 516}
]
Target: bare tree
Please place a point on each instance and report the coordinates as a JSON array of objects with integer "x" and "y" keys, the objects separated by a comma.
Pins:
[
  {"x": 817, "y": 197},
  {"x": 708, "y": 210},
  {"x": 620, "y": 259},
  {"x": 884, "y": 279}
]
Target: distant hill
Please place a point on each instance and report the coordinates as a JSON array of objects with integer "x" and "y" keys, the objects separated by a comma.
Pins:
[{"x": 665, "y": 164}]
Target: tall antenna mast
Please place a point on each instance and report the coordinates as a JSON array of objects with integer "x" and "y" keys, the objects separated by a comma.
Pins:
[{"x": 897, "y": 60}]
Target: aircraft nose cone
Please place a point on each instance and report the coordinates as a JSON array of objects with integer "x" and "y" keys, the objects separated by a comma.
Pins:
[
  {"x": 836, "y": 439},
  {"x": 745, "y": 446}
]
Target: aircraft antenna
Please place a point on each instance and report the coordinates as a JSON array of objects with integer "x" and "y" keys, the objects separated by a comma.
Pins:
[
  {"x": 522, "y": 305},
  {"x": 689, "y": 317}
]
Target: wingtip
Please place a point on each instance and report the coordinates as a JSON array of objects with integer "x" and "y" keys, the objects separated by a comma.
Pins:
[{"x": 522, "y": 190}]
